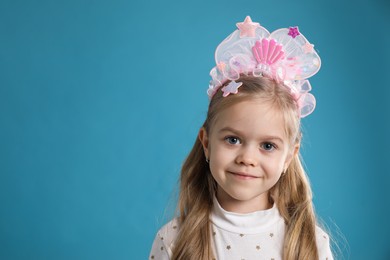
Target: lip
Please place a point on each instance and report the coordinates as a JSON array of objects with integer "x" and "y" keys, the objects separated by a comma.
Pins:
[{"x": 243, "y": 175}]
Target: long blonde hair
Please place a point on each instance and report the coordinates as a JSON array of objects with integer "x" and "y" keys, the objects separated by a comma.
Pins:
[{"x": 292, "y": 193}]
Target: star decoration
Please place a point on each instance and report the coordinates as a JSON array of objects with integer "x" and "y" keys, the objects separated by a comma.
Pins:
[
  {"x": 247, "y": 27},
  {"x": 293, "y": 31},
  {"x": 231, "y": 88},
  {"x": 308, "y": 47},
  {"x": 221, "y": 66}
]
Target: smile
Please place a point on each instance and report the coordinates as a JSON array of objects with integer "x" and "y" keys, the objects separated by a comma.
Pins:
[{"x": 243, "y": 176}]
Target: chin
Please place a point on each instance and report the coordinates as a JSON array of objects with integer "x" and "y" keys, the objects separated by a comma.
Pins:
[{"x": 245, "y": 196}]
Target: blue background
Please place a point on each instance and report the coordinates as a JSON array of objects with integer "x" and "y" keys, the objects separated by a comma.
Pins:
[{"x": 100, "y": 102}]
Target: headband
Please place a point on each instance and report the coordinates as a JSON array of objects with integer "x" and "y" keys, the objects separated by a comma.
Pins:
[{"x": 285, "y": 55}]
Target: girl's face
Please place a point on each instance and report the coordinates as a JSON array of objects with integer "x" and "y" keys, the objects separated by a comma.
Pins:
[{"x": 248, "y": 150}]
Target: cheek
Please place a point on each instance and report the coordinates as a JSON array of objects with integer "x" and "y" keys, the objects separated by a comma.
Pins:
[
  {"x": 216, "y": 149},
  {"x": 219, "y": 155},
  {"x": 273, "y": 166}
]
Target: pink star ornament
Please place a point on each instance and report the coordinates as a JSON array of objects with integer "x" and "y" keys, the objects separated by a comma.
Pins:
[
  {"x": 308, "y": 47},
  {"x": 294, "y": 31},
  {"x": 231, "y": 88},
  {"x": 247, "y": 28}
]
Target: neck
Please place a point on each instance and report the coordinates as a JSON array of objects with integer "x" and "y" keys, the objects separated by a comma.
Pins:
[{"x": 244, "y": 206}]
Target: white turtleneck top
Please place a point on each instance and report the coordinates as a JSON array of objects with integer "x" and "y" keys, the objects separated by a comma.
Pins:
[{"x": 257, "y": 235}]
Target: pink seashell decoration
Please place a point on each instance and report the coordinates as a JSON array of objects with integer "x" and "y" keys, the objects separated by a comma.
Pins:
[{"x": 267, "y": 51}]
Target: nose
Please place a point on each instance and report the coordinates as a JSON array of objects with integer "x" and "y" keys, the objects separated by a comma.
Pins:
[{"x": 247, "y": 155}]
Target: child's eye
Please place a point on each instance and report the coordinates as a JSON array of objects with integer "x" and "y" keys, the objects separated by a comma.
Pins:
[
  {"x": 232, "y": 140},
  {"x": 268, "y": 146}
]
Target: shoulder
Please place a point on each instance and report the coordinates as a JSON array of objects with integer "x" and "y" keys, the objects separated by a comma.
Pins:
[
  {"x": 323, "y": 244},
  {"x": 169, "y": 231},
  {"x": 164, "y": 240}
]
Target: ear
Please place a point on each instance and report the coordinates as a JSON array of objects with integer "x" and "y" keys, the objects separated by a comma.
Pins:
[
  {"x": 204, "y": 139},
  {"x": 292, "y": 153}
]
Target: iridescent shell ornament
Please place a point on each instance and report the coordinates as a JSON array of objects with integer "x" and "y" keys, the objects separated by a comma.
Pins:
[{"x": 284, "y": 55}]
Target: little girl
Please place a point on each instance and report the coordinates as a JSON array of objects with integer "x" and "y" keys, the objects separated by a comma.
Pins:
[{"x": 244, "y": 193}]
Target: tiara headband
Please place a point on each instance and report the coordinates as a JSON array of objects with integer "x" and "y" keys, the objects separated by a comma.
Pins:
[{"x": 285, "y": 55}]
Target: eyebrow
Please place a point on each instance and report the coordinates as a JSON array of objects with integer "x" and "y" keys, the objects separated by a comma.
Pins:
[{"x": 237, "y": 132}]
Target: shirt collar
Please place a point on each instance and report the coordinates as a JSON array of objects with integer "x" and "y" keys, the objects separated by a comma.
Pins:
[{"x": 250, "y": 223}]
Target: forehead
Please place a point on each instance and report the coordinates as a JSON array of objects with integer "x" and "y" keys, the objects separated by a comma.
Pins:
[{"x": 255, "y": 118}]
